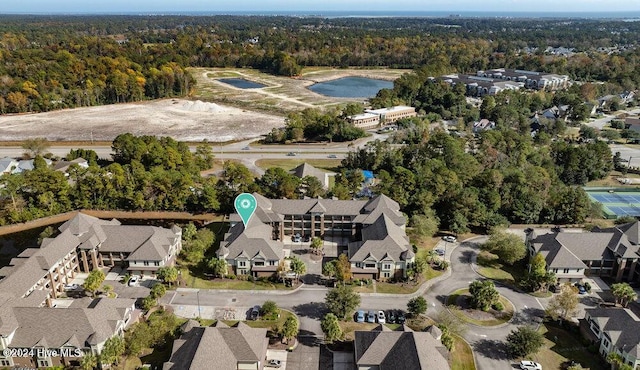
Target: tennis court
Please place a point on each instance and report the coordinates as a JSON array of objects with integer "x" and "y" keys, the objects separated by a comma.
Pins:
[{"x": 617, "y": 202}]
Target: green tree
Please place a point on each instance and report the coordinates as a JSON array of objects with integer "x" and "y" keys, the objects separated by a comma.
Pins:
[
  {"x": 508, "y": 247},
  {"x": 425, "y": 225},
  {"x": 316, "y": 244},
  {"x": 290, "y": 328},
  {"x": 342, "y": 301},
  {"x": 112, "y": 350},
  {"x": 270, "y": 310},
  {"x": 329, "y": 268},
  {"x": 524, "y": 341},
  {"x": 624, "y": 293},
  {"x": 538, "y": 277},
  {"x": 218, "y": 266},
  {"x": 297, "y": 266},
  {"x": 446, "y": 338},
  {"x": 107, "y": 289},
  {"x": 563, "y": 305},
  {"x": 483, "y": 294},
  {"x": 167, "y": 274},
  {"x": 149, "y": 302},
  {"x": 93, "y": 281},
  {"x": 189, "y": 232},
  {"x": 331, "y": 328},
  {"x": 89, "y": 361},
  {"x": 417, "y": 306},
  {"x": 158, "y": 290}
]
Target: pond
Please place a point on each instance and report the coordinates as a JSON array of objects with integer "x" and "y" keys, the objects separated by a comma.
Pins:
[
  {"x": 351, "y": 87},
  {"x": 241, "y": 83}
]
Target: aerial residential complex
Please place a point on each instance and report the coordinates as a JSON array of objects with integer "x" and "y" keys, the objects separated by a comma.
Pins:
[
  {"x": 613, "y": 331},
  {"x": 60, "y": 336},
  {"x": 610, "y": 252},
  {"x": 371, "y": 232},
  {"x": 493, "y": 81}
]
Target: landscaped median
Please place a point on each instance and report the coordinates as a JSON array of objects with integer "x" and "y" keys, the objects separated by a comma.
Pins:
[{"x": 459, "y": 304}]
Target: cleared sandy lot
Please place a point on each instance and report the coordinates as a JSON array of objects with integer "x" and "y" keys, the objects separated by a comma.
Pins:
[
  {"x": 181, "y": 119},
  {"x": 228, "y": 114}
]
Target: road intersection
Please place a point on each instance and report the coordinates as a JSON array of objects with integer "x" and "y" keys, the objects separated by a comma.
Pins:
[{"x": 308, "y": 303}]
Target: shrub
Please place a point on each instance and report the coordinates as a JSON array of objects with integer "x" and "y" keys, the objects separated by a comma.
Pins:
[{"x": 498, "y": 306}]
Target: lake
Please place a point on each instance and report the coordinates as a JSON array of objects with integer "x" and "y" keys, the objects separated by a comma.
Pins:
[
  {"x": 351, "y": 87},
  {"x": 241, "y": 83}
]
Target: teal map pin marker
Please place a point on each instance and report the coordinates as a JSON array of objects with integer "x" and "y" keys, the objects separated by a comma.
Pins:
[{"x": 245, "y": 206}]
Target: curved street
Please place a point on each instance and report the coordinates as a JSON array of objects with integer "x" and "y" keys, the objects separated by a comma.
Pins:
[{"x": 308, "y": 303}]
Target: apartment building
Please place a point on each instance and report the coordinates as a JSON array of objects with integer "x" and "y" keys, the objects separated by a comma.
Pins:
[
  {"x": 371, "y": 231},
  {"x": 615, "y": 331}
]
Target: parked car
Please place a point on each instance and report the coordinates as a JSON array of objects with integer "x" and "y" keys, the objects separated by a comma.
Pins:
[
  {"x": 381, "y": 318},
  {"x": 71, "y": 287},
  {"x": 296, "y": 238},
  {"x": 391, "y": 317},
  {"x": 400, "y": 317},
  {"x": 255, "y": 312},
  {"x": 246, "y": 148},
  {"x": 333, "y": 156},
  {"x": 530, "y": 365},
  {"x": 306, "y": 238},
  {"x": 360, "y": 316},
  {"x": 133, "y": 281},
  {"x": 449, "y": 239},
  {"x": 274, "y": 363},
  {"x": 371, "y": 317},
  {"x": 439, "y": 252},
  {"x": 581, "y": 289},
  {"x": 291, "y": 154}
]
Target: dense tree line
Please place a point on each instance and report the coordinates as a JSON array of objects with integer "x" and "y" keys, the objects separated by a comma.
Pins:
[
  {"x": 314, "y": 125},
  {"x": 506, "y": 178},
  {"x": 59, "y": 62},
  {"x": 148, "y": 174}
]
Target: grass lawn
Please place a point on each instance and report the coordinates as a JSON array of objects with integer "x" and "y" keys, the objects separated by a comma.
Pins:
[
  {"x": 397, "y": 288},
  {"x": 330, "y": 165},
  {"x": 461, "y": 355},
  {"x": 562, "y": 345},
  {"x": 491, "y": 268},
  {"x": 508, "y": 310},
  {"x": 192, "y": 281}
]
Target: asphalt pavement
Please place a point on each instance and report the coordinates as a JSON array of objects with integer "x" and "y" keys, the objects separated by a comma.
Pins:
[{"x": 308, "y": 303}]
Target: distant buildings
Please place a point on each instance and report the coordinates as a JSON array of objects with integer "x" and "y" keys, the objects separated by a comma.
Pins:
[
  {"x": 375, "y": 117},
  {"x": 493, "y": 81}
]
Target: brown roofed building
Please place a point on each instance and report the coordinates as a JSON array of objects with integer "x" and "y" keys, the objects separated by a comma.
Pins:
[
  {"x": 220, "y": 347},
  {"x": 385, "y": 349},
  {"x": 370, "y": 229},
  {"x": 603, "y": 252}
]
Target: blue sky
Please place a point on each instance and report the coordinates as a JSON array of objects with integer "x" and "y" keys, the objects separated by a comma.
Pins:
[{"x": 101, "y": 6}]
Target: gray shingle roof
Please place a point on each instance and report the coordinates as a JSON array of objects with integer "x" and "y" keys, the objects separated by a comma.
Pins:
[
  {"x": 619, "y": 324},
  {"x": 57, "y": 327},
  {"x": 254, "y": 240},
  {"x": 306, "y": 169},
  {"x": 382, "y": 240},
  {"x": 219, "y": 347},
  {"x": 387, "y": 349}
]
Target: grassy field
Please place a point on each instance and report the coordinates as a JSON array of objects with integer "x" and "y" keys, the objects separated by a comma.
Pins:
[
  {"x": 266, "y": 324},
  {"x": 461, "y": 355},
  {"x": 329, "y": 165},
  {"x": 561, "y": 346},
  {"x": 491, "y": 268},
  {"x": 507, "y": 312}
]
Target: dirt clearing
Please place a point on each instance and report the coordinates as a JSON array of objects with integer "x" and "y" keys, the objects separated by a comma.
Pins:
[{"x": 184, "y": 120}]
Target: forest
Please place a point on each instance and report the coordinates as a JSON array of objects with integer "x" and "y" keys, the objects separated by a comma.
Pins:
[
  {"x": 450, "y": 182},
  {"x": 55, "y": 62}
]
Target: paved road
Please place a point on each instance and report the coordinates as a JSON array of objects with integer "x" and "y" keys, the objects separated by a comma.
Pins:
[{"x": 307, "y": 303}]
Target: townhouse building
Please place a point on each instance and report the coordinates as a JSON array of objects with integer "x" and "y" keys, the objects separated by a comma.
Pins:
[{"x": 371, "y": 231}]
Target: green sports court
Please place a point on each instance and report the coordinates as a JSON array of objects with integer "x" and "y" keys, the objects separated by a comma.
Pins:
[{"x": 616, "y": 202}]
